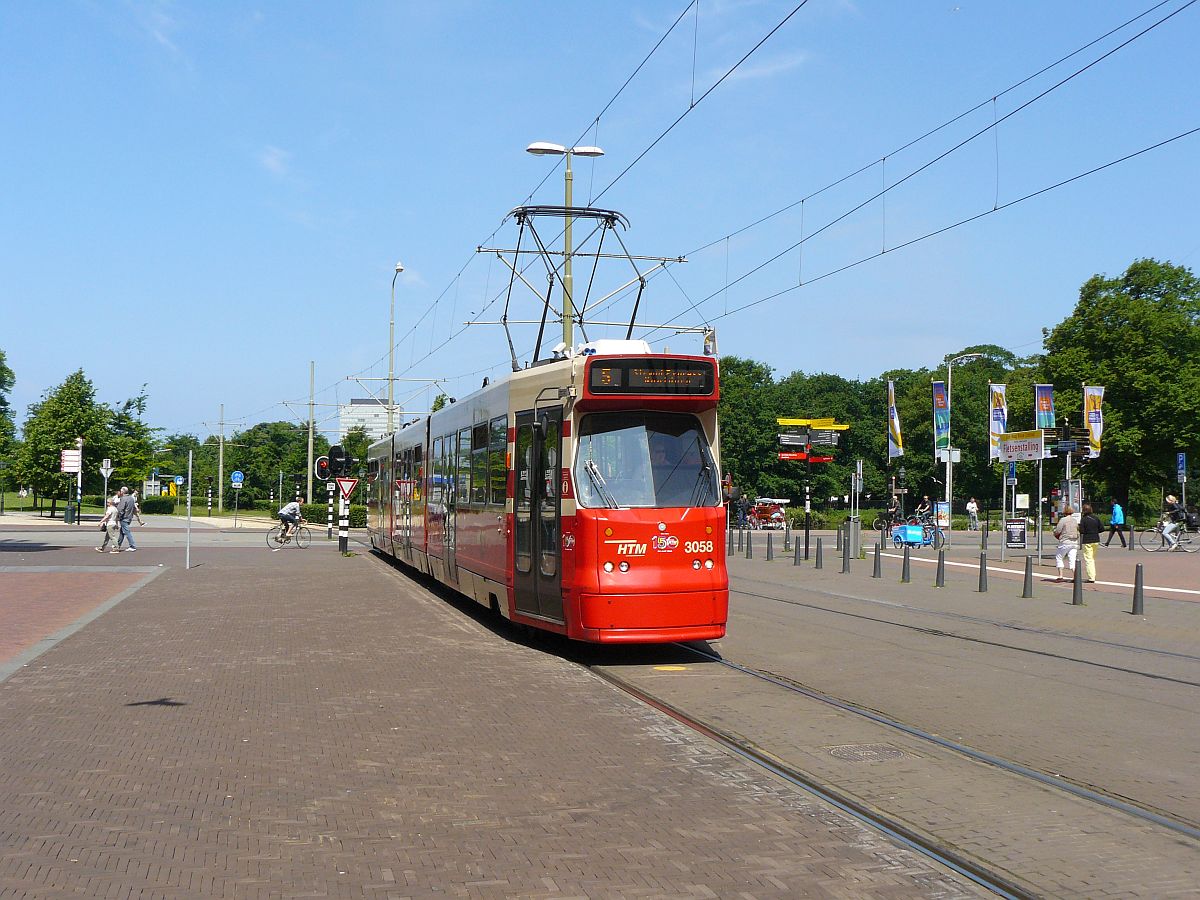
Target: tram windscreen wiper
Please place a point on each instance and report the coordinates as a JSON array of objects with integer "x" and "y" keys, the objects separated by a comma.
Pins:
[
  {"x": 703, "y": 488},
  {"x": 593, "y": 471}
]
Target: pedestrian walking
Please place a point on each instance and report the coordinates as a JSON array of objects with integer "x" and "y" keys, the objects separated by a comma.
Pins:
[
  {"x": 110, "y": 527},
  {"x": 1116, "y": 524},
  {"x": 126, "y": 510},
  {"x": 972, "y": 515},
  {"x": 1067, "y": 532},
  {"x": 137, "y": 507},
  {"x": 1089, "y": 539}
]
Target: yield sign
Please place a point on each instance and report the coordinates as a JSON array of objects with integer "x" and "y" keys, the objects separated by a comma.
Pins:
[{"x": 347, "y": 486}]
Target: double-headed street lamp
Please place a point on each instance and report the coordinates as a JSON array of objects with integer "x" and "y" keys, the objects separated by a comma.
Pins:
[
  {"x": 391, "y": 406},
  {"x": 542, "y": 148},
  {"x": 966, "y": 357}
]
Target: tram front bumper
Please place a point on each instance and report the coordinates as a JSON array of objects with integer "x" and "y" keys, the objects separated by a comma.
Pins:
[{"x": 703, "y": 610}]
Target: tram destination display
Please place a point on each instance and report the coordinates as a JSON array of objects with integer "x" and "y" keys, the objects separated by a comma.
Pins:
[{"x": 692, "y": 377}]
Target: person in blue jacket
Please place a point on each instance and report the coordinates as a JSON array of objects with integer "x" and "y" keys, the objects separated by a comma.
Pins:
[{"x": 1116, "y": 524}]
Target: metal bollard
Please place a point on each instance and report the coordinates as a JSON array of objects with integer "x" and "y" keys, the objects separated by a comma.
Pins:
[
  {"x": 906, "y": 569},
  {"x": 877, "y": 572},
  {"x": 1077, "y": 582},
  {"x": 796, "y": 554},
  {"x": 770, "y": 549},
  {"x": 838, "y": 548},
  {"x": 1139, "y": 596},
  {"x": 983, "y": 543},
  {"x": 820, "y": 563},
  {"x": 741, "y": 534},
  {"x": 749, "y": 546},
  {"x": 1027, "y": 588},
  {"x": 983, "y": 573},
  {"x": 729, "y": 544},
  {"x": 846, "y": 555},
  {"x": 939, "y": 580},
  {"x": 787, "y": 536},
  {"x": 1129, "y": 527}
]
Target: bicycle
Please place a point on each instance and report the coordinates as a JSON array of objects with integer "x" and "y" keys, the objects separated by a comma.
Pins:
[
  {"x": 1153, "y": 539},
  {"x": 884, "y": 522},
  {"x": 300, "y": 538}
]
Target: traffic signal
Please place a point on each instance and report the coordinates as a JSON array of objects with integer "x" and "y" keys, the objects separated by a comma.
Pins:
[
  {"x": 338, "y": 462},
  {"x": 324, "y": 469}
]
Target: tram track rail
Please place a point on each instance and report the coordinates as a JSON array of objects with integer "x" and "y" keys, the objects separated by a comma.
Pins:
[
  {"x": 976, "y": 620},
  {"x": 927, "y": 846}
]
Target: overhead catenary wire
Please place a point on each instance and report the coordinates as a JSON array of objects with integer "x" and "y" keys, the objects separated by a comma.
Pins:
[{"x": 928, "y": 164}]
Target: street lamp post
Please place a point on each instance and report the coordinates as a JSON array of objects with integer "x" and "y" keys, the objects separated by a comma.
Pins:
[
  {"x": 966, "y": 357},
  {"x": 391, "y": 408},
  {"x": 542, "y": 148}
]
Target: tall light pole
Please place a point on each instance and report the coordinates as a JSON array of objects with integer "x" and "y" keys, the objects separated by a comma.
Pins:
[
  {"x": 542, "y": 148},
  {"x": 391, "y": 409},
  {"x": 966, "y": 357}
]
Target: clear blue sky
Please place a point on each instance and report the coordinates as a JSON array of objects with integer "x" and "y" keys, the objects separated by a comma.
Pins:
[{"x": 205, "y": 196}]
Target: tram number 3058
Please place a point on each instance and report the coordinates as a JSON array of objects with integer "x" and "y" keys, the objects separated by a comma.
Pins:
[{"x": 698, "y": 547}]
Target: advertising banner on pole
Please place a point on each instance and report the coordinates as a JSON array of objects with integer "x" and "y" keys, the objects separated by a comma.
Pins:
[
  {"x": 1093, "y": 417},
  {"x": 895, "y": 441},
  {"x": 941, "y": 418},
  {"x": 997, "y": 417},
  {"x": 1043, "y": 404}
]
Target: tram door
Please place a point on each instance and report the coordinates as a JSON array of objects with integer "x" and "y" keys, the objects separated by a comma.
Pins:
[
  {"x": 537, "y": 571},
  {"x": 453, "y": 459},
  {"x": 405, "y": 488}
]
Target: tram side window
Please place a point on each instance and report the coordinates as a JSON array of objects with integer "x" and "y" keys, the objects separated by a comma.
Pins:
[
  {"x": 435, "y": 474},
  {"x": 463, "y": 487},
  {"x": 497, "y": 463},
  {"x": 479, "y": 464}
]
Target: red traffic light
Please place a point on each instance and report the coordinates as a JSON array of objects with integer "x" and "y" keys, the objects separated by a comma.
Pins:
[{"x": 323, "y": 470}]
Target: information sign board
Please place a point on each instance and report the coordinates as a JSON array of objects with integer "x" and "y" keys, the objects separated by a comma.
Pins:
[
  {"x": 1181, "y": 467},
  {"x": 1021, "y": 445},
  {"x": 71, "y": 460},
  {"x": 178, "y": 480},
  {"x": 1016, "y": 532}
]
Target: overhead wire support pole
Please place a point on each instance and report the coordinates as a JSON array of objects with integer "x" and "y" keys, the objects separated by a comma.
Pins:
[{"x": 312, "y": 383}]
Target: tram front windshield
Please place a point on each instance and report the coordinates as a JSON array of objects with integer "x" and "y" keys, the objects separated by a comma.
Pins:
[{"x": 644, "y": 459}]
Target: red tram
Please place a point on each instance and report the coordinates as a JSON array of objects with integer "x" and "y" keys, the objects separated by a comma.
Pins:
[{"x": 580, "y": 496}]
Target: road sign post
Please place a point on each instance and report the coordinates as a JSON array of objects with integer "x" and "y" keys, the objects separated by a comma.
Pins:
[
  {"x": 236, "y": 479},
  {"x": 346, "y": 487}
]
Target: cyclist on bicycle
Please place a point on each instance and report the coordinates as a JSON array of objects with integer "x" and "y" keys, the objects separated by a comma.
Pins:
[
  {"x": 290, "y": 517},
  {"x": 924, "y": 508},
  {"x": 893, "y": 510},
  {"x": 1174, "y": 516}
]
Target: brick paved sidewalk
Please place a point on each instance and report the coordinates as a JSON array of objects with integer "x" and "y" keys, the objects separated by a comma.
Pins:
[{"x": 303, "y": 724}]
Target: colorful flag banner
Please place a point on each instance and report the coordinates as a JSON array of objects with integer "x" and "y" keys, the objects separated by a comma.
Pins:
[
  {"x": 997, "y": 417},
  {"x": 1093, "y": 417},
  {"x": 895, "y": 441},
  {"x": 1043, "y": 404},
  {"x": 941, "y": 418}
]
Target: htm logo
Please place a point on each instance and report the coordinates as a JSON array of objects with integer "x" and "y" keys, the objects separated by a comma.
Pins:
[{"x": 631, "y": 548}]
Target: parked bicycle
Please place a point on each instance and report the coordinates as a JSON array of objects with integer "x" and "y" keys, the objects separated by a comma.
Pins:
[
  {"x": 300, "y": 538},
  {"x": 1156, "y": 538}
]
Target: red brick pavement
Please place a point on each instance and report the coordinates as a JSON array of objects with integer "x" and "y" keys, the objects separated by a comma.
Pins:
[
  {"x": 38, "y": 604},
  {"x": 303, "y": 724}
]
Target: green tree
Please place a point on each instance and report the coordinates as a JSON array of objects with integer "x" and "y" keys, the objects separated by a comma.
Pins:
[
  {"x": 1138, "y": 335},
  {"x": 355, "y": 444},
  {"x": 265, "y": 450},
  {"x": 7, "y": 423},
  {"x": 748, "y": 427},
  {"x": 67, "y": 412},
  {"x": 438, "y": 402}
]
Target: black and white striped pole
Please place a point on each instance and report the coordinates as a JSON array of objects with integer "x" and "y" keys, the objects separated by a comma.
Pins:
[
  {"x": 344, "y": 523},
  {"x": 329, "y": 520}
]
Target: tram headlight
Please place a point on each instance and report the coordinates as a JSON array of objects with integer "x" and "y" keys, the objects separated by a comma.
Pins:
[
  {"x": 708, "y": 564},
  {"x": 695, "y": 563},
  {"x": 623, "y": 566},
  {"x": 608, "y": 567}
]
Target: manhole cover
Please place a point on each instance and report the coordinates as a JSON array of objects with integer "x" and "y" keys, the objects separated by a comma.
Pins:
[{"x": 865, "y": 752}]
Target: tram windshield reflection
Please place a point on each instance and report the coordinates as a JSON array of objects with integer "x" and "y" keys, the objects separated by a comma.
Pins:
[{"x": 644, "y": 459}]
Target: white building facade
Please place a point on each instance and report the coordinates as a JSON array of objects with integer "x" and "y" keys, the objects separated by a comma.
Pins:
[{"x": 367, "y": 412}]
